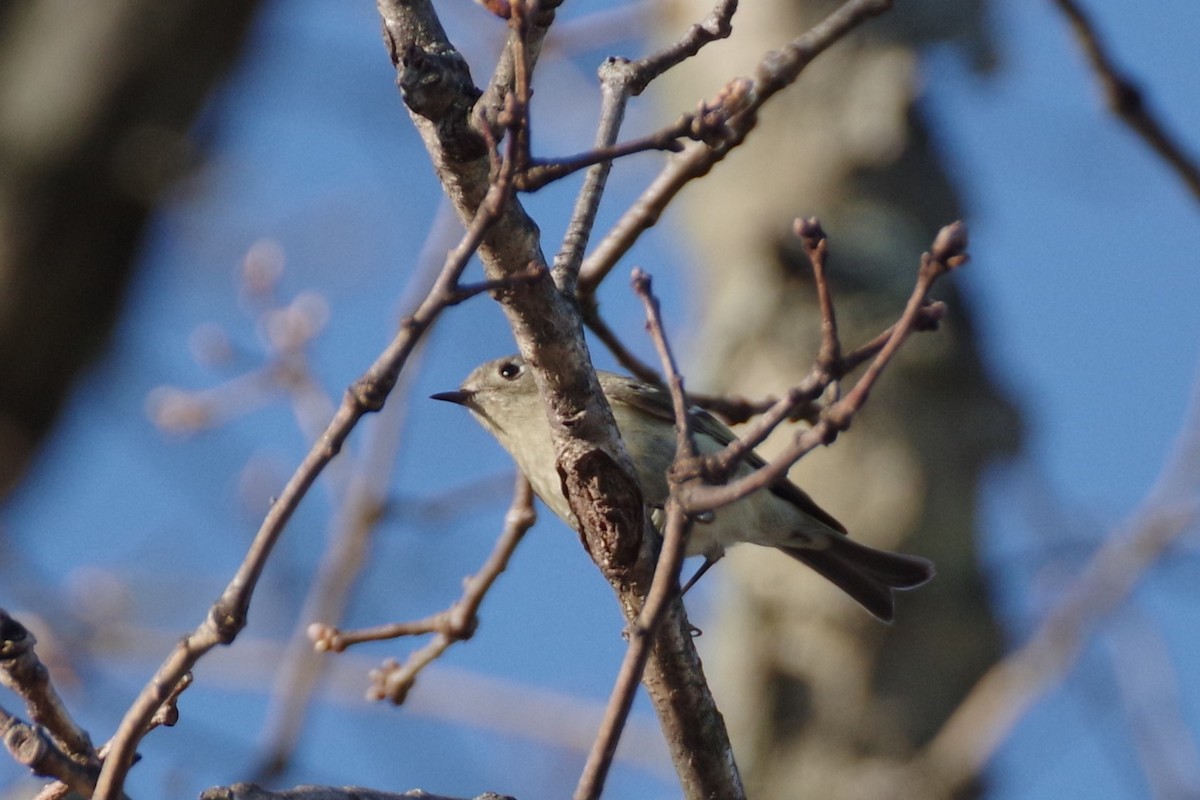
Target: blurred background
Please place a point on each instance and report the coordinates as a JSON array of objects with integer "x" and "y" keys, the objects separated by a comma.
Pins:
[{"x": 210, "y": 225}]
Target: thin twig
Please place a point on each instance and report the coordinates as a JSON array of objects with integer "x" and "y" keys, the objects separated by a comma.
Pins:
[
  {"x": 545, "y": 171},
  {"x": 717, "y": 25},
  {"x": 22, "y": 672},
  {"x": 465, "y": 291},
  {"x": 663, "y": 587},
  {"x": 228, "y": 615},
  {"x": 948, "y": 252},
  {"x": 929, "y": 317},
  {"x": 970, "y": 737},
  {"x": 614, "y": 94},
  {"x": 625, "y": 357},
  {"x": 1127, "y": 100},
  {"x": 360, "y": 508},
  {"x": 455, "y": 624},
  {"x": 729, "y": 118},
  {"x": 619, "y": 80},
  {"x": 68, "y": 785},
  {"x": 816, "y": 247}
]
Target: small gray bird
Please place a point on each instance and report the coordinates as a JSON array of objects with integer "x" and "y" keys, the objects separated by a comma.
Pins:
[{"x": 501, "y": 394}]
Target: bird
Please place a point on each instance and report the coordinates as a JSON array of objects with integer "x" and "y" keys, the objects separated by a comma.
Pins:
[{"x": 503, "y": 397}]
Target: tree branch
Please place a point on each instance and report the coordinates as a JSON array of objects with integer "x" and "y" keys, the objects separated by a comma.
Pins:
[
  {"x": 664, "y": 587},
  {"x": 1005, "y": 693},
  {"x": 597, "y": 475},
  {"x": 456, "y": 624},
  {"x": 729, "y": 118},
  {"x": 1126, "y": 99},
  {"x": 227, "y": 617}
]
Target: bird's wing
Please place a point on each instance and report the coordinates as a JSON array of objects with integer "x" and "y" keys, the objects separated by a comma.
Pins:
[{"x": 657, "y": 402}]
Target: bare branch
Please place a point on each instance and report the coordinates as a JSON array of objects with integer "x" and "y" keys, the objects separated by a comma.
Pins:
[
  {"x": 728, "y": 118},
  {"x": 948, "y": 252},
  {"x": 664, "y": 588},
  {"x": 1126, "y": 99},
  {"x": 249, "y": 791},
  {"x": 24, "y": 674},
  {"x": 620, "y": 80},
  {"x": 1006, "y": 692},
  {"x": 597, "y": 476},
  {"x": 32, "y": 748},
  {"x": 714, "y": 27},
  {"x": 455, "y": 624},
  {"x": 228, "y": 615},
  {"x": 816, "y": 247}
]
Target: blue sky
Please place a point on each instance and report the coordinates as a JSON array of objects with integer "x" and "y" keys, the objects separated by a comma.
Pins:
[{"x": 1085, "y": 277}]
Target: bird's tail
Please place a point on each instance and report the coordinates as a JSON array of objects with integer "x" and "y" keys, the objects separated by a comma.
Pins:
[{"x": 866, "y": 574}]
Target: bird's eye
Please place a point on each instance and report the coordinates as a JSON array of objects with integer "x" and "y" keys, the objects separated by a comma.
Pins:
[{"x": 510, "y": 370}]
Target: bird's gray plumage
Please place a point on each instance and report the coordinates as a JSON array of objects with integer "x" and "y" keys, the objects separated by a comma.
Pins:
[{"x": 502, "y": 395}]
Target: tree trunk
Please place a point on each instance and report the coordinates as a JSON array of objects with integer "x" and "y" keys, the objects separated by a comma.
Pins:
[{"x": 822, "y": 701}]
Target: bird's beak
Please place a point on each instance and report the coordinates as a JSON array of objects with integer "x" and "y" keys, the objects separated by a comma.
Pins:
[{"x": 459, "y": 397}]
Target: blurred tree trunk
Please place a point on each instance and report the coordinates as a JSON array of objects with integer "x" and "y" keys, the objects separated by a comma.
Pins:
[
  {"x": 823, "y": 701},
  {"x": 96, "y": 100}
]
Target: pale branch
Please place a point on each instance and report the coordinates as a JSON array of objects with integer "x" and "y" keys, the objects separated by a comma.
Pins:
[
  {"x": 664, "y": 587},
  {"x": 729, "y": 118},
  {"x": 1006, "y": 692},
  {"x": 948, "y": 252},
  {"x": 166, "y": 715},
  {"x": 1148, "y": 685},
  {"x": 598, "y": 478},
  {"x": 228, "y": 615},
  {"x": 970, "y": 737},
  {"x": 621, "y": 79},
  {"x": 250, "y": 791},
  {"x": 55, "y": 747},
  {"x": 31, "y": 747},
  {"x": 23, "y": 673},
  {"x": 614, "y": 94},
  {"x": 1127, "y": 100},
  {"x": 455, "y": 624},
  {"x": 359, "y": 510},
  {"x": 717, "y": 25}
]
